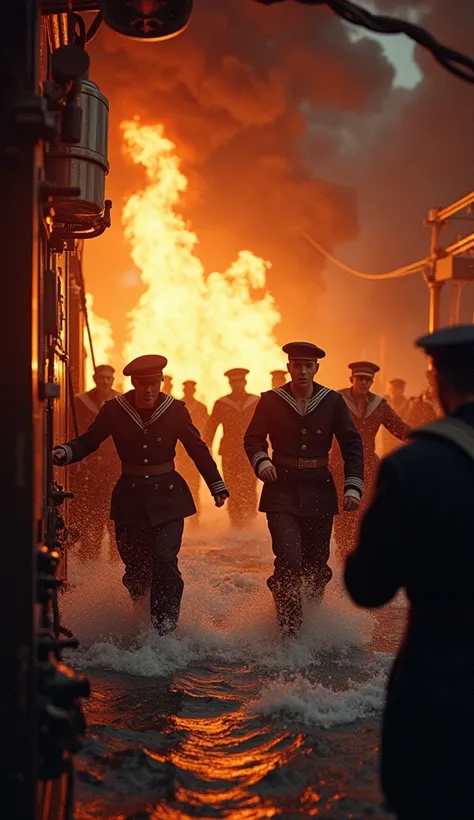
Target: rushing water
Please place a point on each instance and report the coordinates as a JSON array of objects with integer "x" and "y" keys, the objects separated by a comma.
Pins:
[{"x": 221, "y": 720}]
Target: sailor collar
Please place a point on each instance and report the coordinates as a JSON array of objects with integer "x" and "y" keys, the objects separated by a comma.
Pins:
[
  {"x": 125, "y": 404},
  {"x": 319, "y": 393},
  {"x": 373, "y": 403},
  {"x": 87, "y": 400},
  {"x": 250, "y": 400}
]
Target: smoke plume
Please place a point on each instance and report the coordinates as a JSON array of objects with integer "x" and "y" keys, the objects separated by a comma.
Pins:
[{"x": 281, "y": 120}]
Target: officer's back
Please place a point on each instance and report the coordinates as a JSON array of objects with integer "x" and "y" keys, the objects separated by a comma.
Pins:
[{"x": 418, "y": 534}]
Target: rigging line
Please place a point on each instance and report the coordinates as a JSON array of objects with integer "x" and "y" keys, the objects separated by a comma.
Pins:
[{"x": 415, "y": 267}]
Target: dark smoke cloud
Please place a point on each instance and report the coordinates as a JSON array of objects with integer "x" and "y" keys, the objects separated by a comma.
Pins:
[
  {"x": 413, "y": 155},
  {"x": 234, "y": 93},
  {"x": 281, "y": 120}
]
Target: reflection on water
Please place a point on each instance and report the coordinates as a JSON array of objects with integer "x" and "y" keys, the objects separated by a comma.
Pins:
[{"x": 221, "y": 720}]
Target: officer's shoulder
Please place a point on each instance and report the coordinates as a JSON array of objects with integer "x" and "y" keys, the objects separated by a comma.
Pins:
[{"x": 417, "y": 456}]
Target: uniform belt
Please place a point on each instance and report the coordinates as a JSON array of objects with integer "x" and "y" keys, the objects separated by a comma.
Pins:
[
  {"x": 148, "y": 470},
  {"x": 300, "y": 463}
]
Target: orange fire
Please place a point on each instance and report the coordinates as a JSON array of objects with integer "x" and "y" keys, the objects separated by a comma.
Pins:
[
  {"x": 204, "y": 323},
  {"x": 102, "y": 341}
]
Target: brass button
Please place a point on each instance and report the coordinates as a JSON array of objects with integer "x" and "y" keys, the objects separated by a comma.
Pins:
[
  {"x": 145, "y": 461},
  {"x": 147, "y": 476},
  {"x": 318, "y": 432},
  {"x": 171, "y": 486},
  {"x": 303, "y": 446},
  {"x": 145, "y": 446},
  {"x": 304, "y": 431},
  {"x": 159, "y": 438}
]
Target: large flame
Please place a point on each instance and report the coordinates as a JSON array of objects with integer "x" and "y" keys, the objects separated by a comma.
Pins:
[
  {"x": 102, "y": 341},
  {"x": 204, "y": 324}
]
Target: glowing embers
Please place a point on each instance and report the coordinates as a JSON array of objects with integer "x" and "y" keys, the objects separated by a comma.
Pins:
[{"x": 204, "y": 323}]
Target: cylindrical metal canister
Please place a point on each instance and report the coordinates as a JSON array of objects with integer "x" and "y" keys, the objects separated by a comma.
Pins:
[{"x": 84, "y": 165}]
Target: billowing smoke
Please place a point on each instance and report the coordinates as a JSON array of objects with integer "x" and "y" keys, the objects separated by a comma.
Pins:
[{"x": 280, "y": 121}]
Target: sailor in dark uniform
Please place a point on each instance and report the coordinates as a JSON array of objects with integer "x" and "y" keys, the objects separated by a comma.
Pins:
[
  {"x": 92, "y": 483},
  {"x": 150, "y": 499},
  {"x": 299, "y": 496},
  {"x": 279, "y": 378},
  {"x": 418, "y": 535},
  {"x": 185, "y": 465},
  {"x": 234, "y": 412}
]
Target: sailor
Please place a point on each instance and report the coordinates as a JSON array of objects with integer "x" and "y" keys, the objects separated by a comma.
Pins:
[
  {"x": 234, "y": 412},
  {"x": 299, "y": 496},
  {"x": 185, "y": 465},
  {"x": 167, "y": 385},
  {"x": 417, "y": 535},
  {"x": 150, "y": 499},
  {"x": 368, "y": 412},
  {"x": 92, "y": 483},
  {"x": 279, "y": 378},
  {"x": 424, "y": 408},
  {"x": 399, "y": 402}
]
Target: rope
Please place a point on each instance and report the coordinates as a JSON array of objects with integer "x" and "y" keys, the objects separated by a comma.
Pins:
[{"x": 408, "y": 270}]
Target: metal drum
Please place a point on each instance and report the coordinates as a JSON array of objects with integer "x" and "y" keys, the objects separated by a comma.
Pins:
[{"x": 84, "y": 165}]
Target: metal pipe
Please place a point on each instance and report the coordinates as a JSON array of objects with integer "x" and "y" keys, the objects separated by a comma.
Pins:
[
  {"x": 461, "y": 246},
  {"x": 460, "y": 205}
]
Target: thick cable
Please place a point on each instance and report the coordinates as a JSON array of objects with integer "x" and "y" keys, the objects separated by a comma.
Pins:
[
  {"x": 408, "y": 270},
  {"x": 453, "y": 61}
]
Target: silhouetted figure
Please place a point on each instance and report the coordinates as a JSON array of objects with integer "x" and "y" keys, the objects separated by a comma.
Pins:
[
  {"x": 168, "y": 385},
  {"x": 234, "y": 412},
  {"x": 185, "y": 465},
  {"x": 92, "y": 483},
  {"x": 425, "y": 408},
  {"x": 400, "y": 404},
  {"x": 279, "y": 378},
  {"x": 417, "y": 535}
]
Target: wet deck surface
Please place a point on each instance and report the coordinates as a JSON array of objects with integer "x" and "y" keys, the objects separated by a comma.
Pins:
[{"x": 221, "y": 720}]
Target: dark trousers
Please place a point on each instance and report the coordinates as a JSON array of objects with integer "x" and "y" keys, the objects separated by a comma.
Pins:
[
  {"x": 301, "y": 547},
  {"x": 150, "y": 555},
  {"x": 242, "y": 484}
]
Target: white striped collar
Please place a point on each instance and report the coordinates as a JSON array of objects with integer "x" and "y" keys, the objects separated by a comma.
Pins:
[
  {"x": 166, "y": 402},
  {"x": 250, "y": 400},
  {"x": 87, "y": 402},
  {"x": 285, "y": 393},
  {"x": 371, "y": 407}
]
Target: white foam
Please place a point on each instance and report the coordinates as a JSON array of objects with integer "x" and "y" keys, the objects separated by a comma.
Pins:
[
  {"x": 227, "y": 612},
  {"x": 314, "y": 704}
]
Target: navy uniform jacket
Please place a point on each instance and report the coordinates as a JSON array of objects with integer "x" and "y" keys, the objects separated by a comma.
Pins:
[
  {"x": 277, "y": 416},
  {"x": 418, "y": 535},
  {"x": 235, "y": 419},
  {"x": 163, "y": 498}
]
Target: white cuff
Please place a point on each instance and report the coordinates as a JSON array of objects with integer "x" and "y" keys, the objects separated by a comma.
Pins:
[
  {"x": 68, "y": 450},
  {"x": 351, "y": 493},
  {"x": 264, "y": 464}
]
